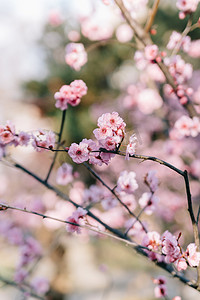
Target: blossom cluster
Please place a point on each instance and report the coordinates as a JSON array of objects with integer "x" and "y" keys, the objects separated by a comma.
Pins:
[
  {"x": 75, "y": 219},
  {"x": 168, "y": 245},
  {"x": 70, "y": 94},
  {"x": 185, "y": 126},
  {"x": 110, "y": 133},
  {"x": 176, "y": 40},
  {"x": 186, "y": 7},
  {"x": 76, "y": 56},
  {"x": 39, "y": 139}
]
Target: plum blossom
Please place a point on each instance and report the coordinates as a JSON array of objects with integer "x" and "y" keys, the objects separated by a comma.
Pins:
[
  {"x": 127, "y": 182},
  {"x": 151, "y": 180},
  {"x": 186, "y": 7},
  {"x": 43, "y": 138},
  {"x": 181, "y": 264},
  {"x": 177, "y": 39},
  {"x": 64, "y": 174},
  {"x": 179, "y": 69},
  {"x": 20, "y": 275},
  {"x": 170, "y": 247},
  {"x": 151, "y": 52},
  {"x": 160, "y": 291},
  {"x": 92, "y": 29},
  {"x": 70, "y": 94},
  {"x": 194, "y": 50},
  {"x": 149, "y": 100},
  {"x": 177, "y": 298},
  {"x": 7, "y": 133},
  {"x": 124, "y": 33},
  {"x": 148, "y": 202},
  {"x": 40, "y": 285},
  {"x": 79, "y": 152},
  {"x": 23, "y": 138},
  {"x": 152, "y": 241},
  {"x": 193, "y": 257},
  {"x": 74, "y": 218},
  {"x": 131, "y": 147},
  {"x": 186, "y": 126},
  {"x": 76, "y": 56}
]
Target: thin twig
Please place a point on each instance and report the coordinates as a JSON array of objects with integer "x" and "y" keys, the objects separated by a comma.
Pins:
[
  {"x": 58, "y": 145},
  {"x": 152, "y": 16},
  {"x": 21, "y": 288}
]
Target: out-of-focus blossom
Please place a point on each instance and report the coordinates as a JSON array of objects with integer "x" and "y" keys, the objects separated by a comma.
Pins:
[
  {"x": 124, "y": 33},
  {"x": 178, "y": 68},
  {"x": 151, "y": 180},
  {"x": 152, "y": 241},
  {"x": 170, "y": 247},
  {"x": 93, "y": 30},
  {"x": 194, "y": 50},
  {"x": 40, "y": 285},
  {"x": 187, "y": 126},
  {"x": 127, "y": 182},
  {"x": 20, "y": 275},
  {"x": 186, "y": 7},
  {"x": 193, "y": 257},
  {"x": 64, "y": 174},
  {"x": 148, "y": 202},
  {"x": 177, "y": 39},
  {"x": 149, "y": 100},
  {"x": 70, "y": 94},
  {"x": 73, "y": 36},
  {"x": 7, "y": 133},
  {"x": 76, "y": 56},
  {"x": 131, "y": 147},
  {"x": 55, "y": 18},
  {"x": 160, "y": 291},
  {"x": 151, "y": 52}
]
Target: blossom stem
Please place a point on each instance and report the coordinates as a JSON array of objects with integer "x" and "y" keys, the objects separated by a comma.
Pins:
[{"x": 58, "y": 145}]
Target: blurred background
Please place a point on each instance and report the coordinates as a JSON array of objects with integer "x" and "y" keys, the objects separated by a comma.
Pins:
[{"x": 33, "y": 37}]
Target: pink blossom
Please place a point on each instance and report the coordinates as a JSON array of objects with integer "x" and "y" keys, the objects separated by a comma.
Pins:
[
  {"x": 20, "y": 275},
  {"x": 70, "y": 94},
  {"x": 194, "y": 50},
  {"x": 124, "y": 33},
  {"x": 160, "y": 280},
  {"x": 134, "y": 228},
  {"x": 187, "y": 6},
  {"x": 64, "y": 174},
  {"x": 40, "y": 285},
  {"x": 7, "y": 133},
  {"x": 126, "y": 182},
  {"x": 193, "y": 257},
  {"x": 181, "y": 264},
  {"x": 180, "y": 70},
  {"x": 151, "y": 52},
  {"x": 160, "y": 291},
  {"x": 177, "y": 39},
  {"x": 103, "y": 132},
  {"x": 187, "y": 126},
  {"x": 149, "y": 100},
  {"x": 93, "y": 30},
  {"x": 177, "y": 298},
  {"x": 170, "y": 247},
  {"x": 78, "y": 214},
  {"x": 131, "y": 147},
  {"x": 55, "y": 18},
  {"x": 109, "y": 202},
  {"x": 76, "y": 56},
  {"x": 23, "y": 138},
  {"x": 73, "y": 36},
  {"x": 140, "y": 60},
  {"x": 151, "y": 180},
  {"x": 43, "y": 138},
  {"x": 110, "y": 143},
  {"x": 79, "y": 152},
  {"x": 148, "y": 202}
]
